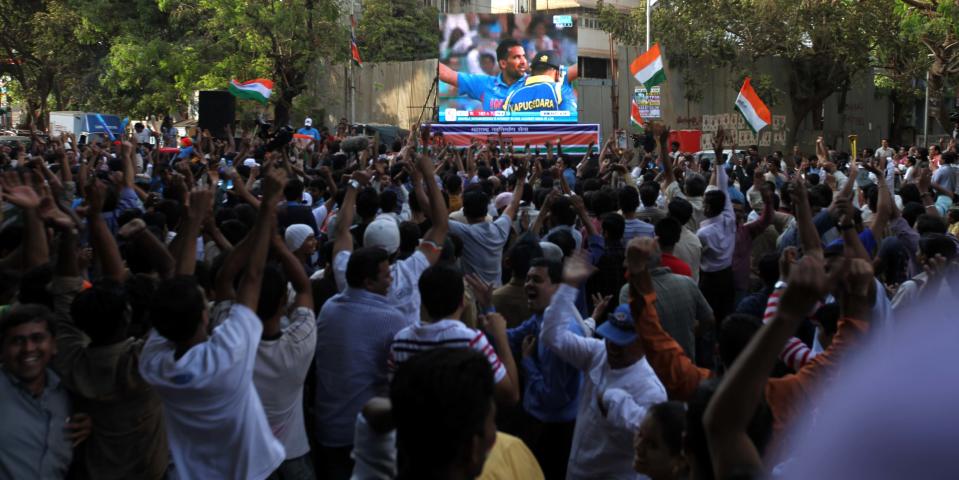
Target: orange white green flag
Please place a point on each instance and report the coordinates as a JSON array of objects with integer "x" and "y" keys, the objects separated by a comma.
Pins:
[
  {"x": 753, "y": 110},
  {"x": 258, "y": 89},
  {"x": 634, "y": 115},
  {"x": 648, "y": 68}
]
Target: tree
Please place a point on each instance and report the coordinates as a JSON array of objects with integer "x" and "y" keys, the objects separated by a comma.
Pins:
[
  {"x": 201, "y": 44},
  {"x": 43, "y": 54},
  {"x": 398, "y": 30},
  {"x": 823, "y": 44},
  {"x": 901, "y": 63},
  {"x": 934, "y": 25}
]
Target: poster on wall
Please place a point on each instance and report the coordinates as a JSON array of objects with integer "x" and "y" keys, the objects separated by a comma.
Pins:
[{"x": 650, "y": 106}]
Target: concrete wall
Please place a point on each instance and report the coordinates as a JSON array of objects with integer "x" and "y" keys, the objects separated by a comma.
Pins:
[
  {"x": 390, "y": 92},
  {"x": 867, "y": 113},
  {"x": 394, "y": 93}
]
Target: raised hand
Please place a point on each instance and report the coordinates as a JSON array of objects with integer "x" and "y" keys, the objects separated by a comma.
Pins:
[
  {"x": 361, "y": 176},
  {"x": 492, "y": 322},
  {"x": 201, "y": 203},
  {"x": 718, "y": 139},
  {"x": 600, "y": 303},
  {"x": 482, "y": 291},
  {"x": 96, "y": 192},
  {"x": 51, "y": 213},
  {"x": 15, "y": 192},
  {"x": 807, "y": 285},
  {"x": 858, "y": 278},
  {"x": 576, "y": 269},
  {"x": 273, "y": 183}
]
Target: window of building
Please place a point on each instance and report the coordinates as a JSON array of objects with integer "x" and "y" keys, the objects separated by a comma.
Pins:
[{"x": 590, "y": 67}]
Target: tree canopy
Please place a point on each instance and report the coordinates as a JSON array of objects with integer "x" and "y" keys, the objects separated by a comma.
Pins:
[{"x": 398, "y": 30}]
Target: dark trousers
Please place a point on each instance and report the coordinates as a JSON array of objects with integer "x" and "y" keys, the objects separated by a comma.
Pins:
[
  {"x": 550, "y": 443},
  {"x": 299, "y": 468},
  {"x": 720, "y": 293},
  {"x": 333, "y": 463}
]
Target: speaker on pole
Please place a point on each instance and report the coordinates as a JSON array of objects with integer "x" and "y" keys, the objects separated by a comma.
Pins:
[{"x": 217, "y": 110}]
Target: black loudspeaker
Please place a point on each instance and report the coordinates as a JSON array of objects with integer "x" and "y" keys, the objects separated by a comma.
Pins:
[{"x": 217, "y": 110}]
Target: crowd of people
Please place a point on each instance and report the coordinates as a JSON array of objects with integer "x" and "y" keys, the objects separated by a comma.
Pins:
[{"x": 245, "y": 307}]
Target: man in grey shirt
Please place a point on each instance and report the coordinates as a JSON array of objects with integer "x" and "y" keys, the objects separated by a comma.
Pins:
[
  {"x": 39, "y": 432},
  {"x": 483, "y": 241},
  {"x": 680, "y": 305}
]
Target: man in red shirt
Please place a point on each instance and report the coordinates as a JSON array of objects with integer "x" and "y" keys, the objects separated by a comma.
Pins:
[{"x": 668, "y": 230}]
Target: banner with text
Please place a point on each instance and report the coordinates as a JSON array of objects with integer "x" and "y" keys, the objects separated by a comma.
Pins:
[{"x": 576, "y": 138}]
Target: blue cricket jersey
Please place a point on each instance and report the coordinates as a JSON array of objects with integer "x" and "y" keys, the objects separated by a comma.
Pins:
[
  {"x": 538, "y": 93},
  {"x": 488, "y": 89}
]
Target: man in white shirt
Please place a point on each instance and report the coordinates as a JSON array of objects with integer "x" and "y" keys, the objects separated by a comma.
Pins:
[
  {"x": 618, "y": 383},
  {"x": 216, "y": 424},
  {"x": 284, "y": 355},
  {"x": 717, "y": 232},
  {"x": 884, "y": 151},
  {"x": 385, "y": 234}
]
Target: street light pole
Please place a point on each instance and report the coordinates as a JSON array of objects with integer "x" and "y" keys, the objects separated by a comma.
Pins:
[
  {"x": 649, "y": 6},
  {"x": 925, "y": 121}
]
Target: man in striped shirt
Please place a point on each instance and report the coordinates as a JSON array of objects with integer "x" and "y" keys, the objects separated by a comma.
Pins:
[{"x": 441, "y": 289}]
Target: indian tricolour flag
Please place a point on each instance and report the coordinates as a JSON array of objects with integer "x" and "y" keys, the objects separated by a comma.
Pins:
[
  {"x": 752, "y": 108},
  {"x": 634, "y": 115},
  {"x": 648, "y": 68},
  {"x": 258, "y": 89}
]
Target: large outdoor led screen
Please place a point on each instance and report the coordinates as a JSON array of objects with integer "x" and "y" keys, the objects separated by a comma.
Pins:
[{"x": 507, "y": 68}]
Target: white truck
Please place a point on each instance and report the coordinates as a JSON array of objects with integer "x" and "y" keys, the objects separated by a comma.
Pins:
[{"x": 84, "y": 125}]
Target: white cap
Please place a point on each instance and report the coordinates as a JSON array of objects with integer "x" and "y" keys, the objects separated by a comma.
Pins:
[
  {"x": 383, "y": 233},
  {"x": 308, "y": 122},
  {"x": 296, "y": 234},
  {"x": 307, "y": 198},
  {"x": 250, "y": 162}
]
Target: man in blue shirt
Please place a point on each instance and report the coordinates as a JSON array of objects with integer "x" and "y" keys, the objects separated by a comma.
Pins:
[
  {"x": 488, "y": 89},
  {"x": 544, "y": 89},
  {"x": 551, "y": 392},
  {"x": 309, "y": 130}
]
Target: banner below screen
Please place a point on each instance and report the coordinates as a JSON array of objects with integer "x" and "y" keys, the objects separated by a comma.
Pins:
[{"x": 576, "y": 138}]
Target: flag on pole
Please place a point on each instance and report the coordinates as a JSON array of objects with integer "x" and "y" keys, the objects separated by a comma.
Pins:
[
  {"x": 648, "y": 68},
  {"x": 634, "y": 116},
  {"x": 753, "y": 110},
  {"x": 258, "y": 89},
  {"x": 354, "y": 49}
]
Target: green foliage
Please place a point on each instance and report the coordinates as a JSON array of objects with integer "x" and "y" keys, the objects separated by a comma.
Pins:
[
  {"x": 142, "y": 57},
  {"x": 397, "y": 30}
]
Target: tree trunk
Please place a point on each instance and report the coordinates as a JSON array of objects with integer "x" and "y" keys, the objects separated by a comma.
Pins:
[
  {"x": 936, "y": 95},
  {"x": 281, "y": 109}
]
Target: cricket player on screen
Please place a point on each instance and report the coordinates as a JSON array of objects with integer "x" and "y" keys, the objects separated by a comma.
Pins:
[
  {"x": 492, "y": 90},
  {"x": 544, "y": 89}
]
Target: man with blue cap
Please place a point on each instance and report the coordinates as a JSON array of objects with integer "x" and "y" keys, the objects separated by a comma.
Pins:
[{"x": 619, "y": 385}]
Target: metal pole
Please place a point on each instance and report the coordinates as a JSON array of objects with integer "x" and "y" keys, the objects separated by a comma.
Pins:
[
  {"x": 925, "y": 120},
  {"x": 352, "y": 76},
  {"x": 648, "y": 7}
]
